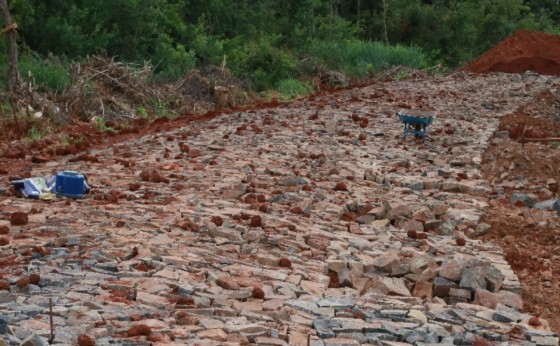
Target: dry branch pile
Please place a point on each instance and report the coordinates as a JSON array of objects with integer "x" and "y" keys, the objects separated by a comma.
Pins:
[{"x": 112, "y": 90}]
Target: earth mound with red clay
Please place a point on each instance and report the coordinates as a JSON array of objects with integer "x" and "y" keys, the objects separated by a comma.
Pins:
[{"x": 522, "y": 51}]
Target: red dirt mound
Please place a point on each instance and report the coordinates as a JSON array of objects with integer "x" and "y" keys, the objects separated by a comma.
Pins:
[{"x": 522, "y": 51}]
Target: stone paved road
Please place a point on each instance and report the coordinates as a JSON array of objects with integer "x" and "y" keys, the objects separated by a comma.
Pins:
[{"x": 313, "y": 222}]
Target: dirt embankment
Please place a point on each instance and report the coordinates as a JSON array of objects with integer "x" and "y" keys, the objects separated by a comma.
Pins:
[
  {"x": 522, "y": 51},
  {"x": 529, "y": 237}
]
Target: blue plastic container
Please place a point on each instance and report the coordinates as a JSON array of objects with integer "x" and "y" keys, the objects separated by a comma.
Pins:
[{"x": 70, "y": 184}]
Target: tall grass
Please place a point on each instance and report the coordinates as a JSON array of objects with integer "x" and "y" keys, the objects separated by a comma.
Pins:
[
  {"x": 49, "y": 74},
  {"x": 291, "y": 88},
  {"x": 361, "y": 58}
]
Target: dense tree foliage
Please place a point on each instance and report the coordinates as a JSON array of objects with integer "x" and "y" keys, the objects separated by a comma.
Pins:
[{"x": 268, "y": 40}]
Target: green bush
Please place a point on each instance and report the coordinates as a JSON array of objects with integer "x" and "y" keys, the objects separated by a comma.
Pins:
[
  {"x": 360, "y": 58},
  {"x": 262, "y": 60},
  {"x": 291, "y": 88},
  {"x": 48, "y": 74},
  {"x": 34, "y": 134}
]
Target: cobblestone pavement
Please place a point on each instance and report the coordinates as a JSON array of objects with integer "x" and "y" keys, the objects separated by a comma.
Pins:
[{"x": 310, "y": 223}]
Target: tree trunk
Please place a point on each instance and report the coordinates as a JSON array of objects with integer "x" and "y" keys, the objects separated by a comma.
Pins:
[
  {"x": 385, "y": 5},
  {"x": 13, "y": 72}
]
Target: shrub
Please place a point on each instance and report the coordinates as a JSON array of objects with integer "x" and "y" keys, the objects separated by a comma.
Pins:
[
  {"x": 360, "y": 58},
  {"x": 292, "y": 88},
  {"x": 49, "y": 74}
]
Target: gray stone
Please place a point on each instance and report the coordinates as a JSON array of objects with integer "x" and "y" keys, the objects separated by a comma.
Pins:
[
  {"x": 306, "y": 306},
  {"x": 482, "y": 229},
  {"x": 446, "y": 228},
  {"x": 506, "y": 316},
  {"x": 185, "y": 289},
  {"x": 111, "y": 266},
  {"x": 377, "y": 338},
  {"x": 34, "y": 340},
  {"x": 415, "y": 336},
  {"x": 442, "y": 287},
  {"x": 323, "y": 329},
  {"x": 524, "y": 199},
  {"x": 461, "y": 293},
  {"x": 400, "y": 269},
  {"x": 393, "y": 314},
  {"x": 3, "y": 324},
  {"x": 494, "y": 278},
  {"x": 547, "y": 205},
  {"x": 431, "y": 225},
  {"x": 336, "y": 303},
  {"x": 473, "y": 278},
  {"x": 416, "y": 186},
  {"x": 545, "y": 340}
]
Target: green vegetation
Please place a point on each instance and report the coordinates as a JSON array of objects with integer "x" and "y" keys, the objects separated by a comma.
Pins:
[
  {"x": 271, "y": 43},
  {"x": 102, "y": 126},
  {"x": 292, "y": 88},
  {"x": 34, "y": 134},
  {"x": 359, "y": 58},
  {"x": 46, "y": 74}
]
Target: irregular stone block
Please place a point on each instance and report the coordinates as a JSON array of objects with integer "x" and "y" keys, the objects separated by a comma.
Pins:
[
  {"x": 473, "y": 278},
  {"x": 391, "y": 286},
  {"x": 442, "y": 287},
  {"x": 399, "y": 211},
  {"x": 461, "y": 293},
  {"x": 422, "y": 289},
  {"x": 494, "y": 278},
  {"x": 522, "y": 200},
  {"x": 451, "y": 269}
]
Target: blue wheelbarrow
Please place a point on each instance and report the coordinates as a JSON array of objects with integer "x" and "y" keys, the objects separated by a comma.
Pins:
[{"x": 415, "y": 122}]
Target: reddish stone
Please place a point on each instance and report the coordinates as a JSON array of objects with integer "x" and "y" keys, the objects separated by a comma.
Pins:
[
  {"x": 296, "y": 210},
  {"x": 134, "y": 186},
  {"x": 145, "y": 176},
  {"x": 256, "y": 221},
  {"x": 159, "y": 178},
  {"x": 258, "y": 293},
  {"x": 84, "y": 340},
  {"x": 18, "y": 219},
  {"x": 22, "y": 282},
  {"x": 4, "y": 285},
  {"x": 534, "y": 321},
  {"x": 4, "y": 241},
  {"x": 184, "y": 301},
  {"x": 461, "y": 241},
  {"x": 142, "y": 267},
  {"x": 334, "y": 281},
  {"x": 140, "y": 329},
  {"x": 120, "y": 224},
  {"x": 421, "y": 235},
  {"x": 411, "y": 233},
  {"x": 340, "y": 186},
  {"x": 34, "y": 278},
  {"x": 285, "y": 263},
  {"x": 217, "y": 220},
  {"x": 358, "y": 315}
]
